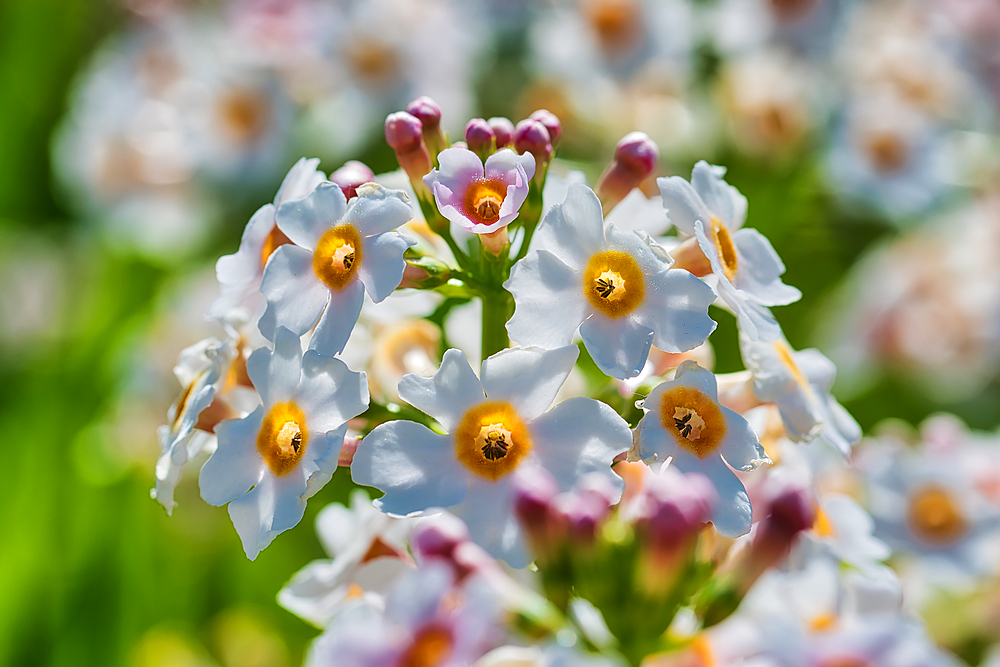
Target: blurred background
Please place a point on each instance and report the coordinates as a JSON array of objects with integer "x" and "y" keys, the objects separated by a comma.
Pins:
[{"x": 138, "y": 136}]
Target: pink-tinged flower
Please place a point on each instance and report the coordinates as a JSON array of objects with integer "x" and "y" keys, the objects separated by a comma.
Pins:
[{"x": 481, "y": 198}]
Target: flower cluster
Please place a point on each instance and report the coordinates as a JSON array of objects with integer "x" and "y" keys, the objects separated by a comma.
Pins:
[{"x": 592, "y": 441}]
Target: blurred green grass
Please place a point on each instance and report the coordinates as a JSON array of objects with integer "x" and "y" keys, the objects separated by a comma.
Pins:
[{"x": 92, "y": 571}]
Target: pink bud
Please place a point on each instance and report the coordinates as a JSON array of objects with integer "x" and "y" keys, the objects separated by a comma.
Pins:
[
  {"x": 551, "y": 123},
  {"x": 530, "y": 136},
  {"x": 438, "y": 536},
  {"x": 673, "y": 507},
  {"x": 635, "y": 159},
  {"x": 790, "y": 512},
  {"x": 427, "y": 111},
  {"x": 534, "y": 492},
  {"x": 352, "y": 175},
  {"x": 403, "y": 132},
  {"x": 479, "y": 137},
  {"x": 503, "y": 129}
]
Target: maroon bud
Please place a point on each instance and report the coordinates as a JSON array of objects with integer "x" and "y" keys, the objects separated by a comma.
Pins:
[
  {"x": 427, "y": 111},
  {"x": 530, "y": 136},
  {"x": 635, "y": 160},
  {"x": 790, "y": 512},
  {"x": 673, "y": 507},
  {"x": 503, "y": 130},
  {"x": 439, "y": 536},
  {"x": 479, "y": 137},
  {"x": 352, "y": 175},
  {"x": 551, "y": 123},
  {"x": 403, "y": 132}
]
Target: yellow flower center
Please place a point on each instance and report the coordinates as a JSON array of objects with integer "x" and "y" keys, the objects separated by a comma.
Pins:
[
  {"x": 613, "y": 283},
  {"x": 185, "y": 396},
  {"x": 491, "y": 440},
  {"x": 887, "y": 151},
  {"x": 273, "y": 241},
  {"x": 431, "y": 646},
  {"x": 283, "y": 437},
  {"x": 694, "y": 419},
  {"x": 337, "y": 256},
  {"x": 244, "y": 113},
  {"x": 823, "y": 623},
  {"x": 934, "y": 515},
  {"x": 724, "y": 245},
  {"x": 822, "y": 526},
  {"x": 483, "y": 200}
]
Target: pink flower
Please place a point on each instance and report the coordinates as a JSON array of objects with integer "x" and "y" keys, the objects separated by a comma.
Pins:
[{"x": 480, "y": 199}]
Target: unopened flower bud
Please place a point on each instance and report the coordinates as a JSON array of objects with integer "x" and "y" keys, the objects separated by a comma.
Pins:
[
  {"x": 425, "y": 273},
  {"x": 530, "y": 136},
  {"x": 429, "y": 114},
  {"x": 673, "y": 507},
  {"x": 551, "y": 123},
  {"x": 635, "y": 159},
  {"x": 790, "y": 512},
  {"x": 350, "y": 176},
  {"x": 438, "y": 536},
  {"x": 503, "y": 130},
  {"x": 346, "y": 457},
  {"x": 479, "y": 137},
  {"x": 404, "y": 133},
  {"x": 495, "y": 242},
  {"x": 534, "y": 492}
]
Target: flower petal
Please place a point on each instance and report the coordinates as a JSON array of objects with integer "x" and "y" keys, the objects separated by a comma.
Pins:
[
  {"x": 300, "y": 181},
  {"x": 732, "y": 514},
  {"x": 304, "y": 221},
  {"x": 271, "y": 507},
  {"x": 741, "y": 448},
  {"x": 504, "y": 163},
  {"x": 235, "y": 466},
  {"x": 238, "y": 273},
  {"x": 275, "y": 375},
  {"x": 377, "y": 210},
  {"x": 717, "y": 195},
  {"x": 488, "y": 511},
  {"x": 618, "y": 346},
  {"x": 449, "y": 394},
  {"x": 759, "y": 270},
  {"x": 415, "y": 467},
  {"x": 330, "y": 393},
  {"x": 580, "y": 436},
  {"x": 295, "y": 296},
  {"x": 682, "y": 203},
  {"x": 382, "y": 263},
  {"x": 548, "y": 301},
  {"x": 528, "y": 378},
  {"x": 676, "y": 309},
  {"x": 339, "y": 318},
  {"x": 573, "y": 230}
]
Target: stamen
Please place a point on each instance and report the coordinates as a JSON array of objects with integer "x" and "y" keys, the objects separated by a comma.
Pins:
[
  {"x": 694, "y": 419},
  {"x": 483, "y": 201},
  {"x": 496, "y": 441},
  {"x": 491, "y": 440},
  {"x": 283, "y": 437},
  {"x": 613, "y": 283}
]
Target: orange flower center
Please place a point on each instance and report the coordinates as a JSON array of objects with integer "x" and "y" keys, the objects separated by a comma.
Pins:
[
  {"x": 694, "y": 419},
  {"x": 483, "y": 200},
  {"x": 431, "y": 646},
  {"x": 934, "y": 515},
  {"x": 244, "y": 114},
  {"x": 337, "y": 256},
  {"x": 613, "y": 283},
  {"x": 724, "y": 246},
  {"x": 492, "y": 440},
  {"x": 283, "y": 437},
  {"x": 275, "y": 239}
]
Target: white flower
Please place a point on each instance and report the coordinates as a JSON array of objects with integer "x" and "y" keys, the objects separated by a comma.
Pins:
[
  {"x": 428, "y": 621},
  {"x": 497, "y": 424},
  {"x": 683, "y": 420},
  {"x": 844, "y": 529},
  {"x": 743, "y": 260},
  {"x": 240, "y": 273},
  {"x": 269, "y": 463},
  {"x": 340, "y": 250},
  {"x": 615, "y": 286},
  {"x": 204, "y": 371},
  {"x": 369, "y": 554},
  {"x": 799, "y": 383}
]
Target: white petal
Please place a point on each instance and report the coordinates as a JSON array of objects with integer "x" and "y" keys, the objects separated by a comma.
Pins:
[
  {"x": 306, "y": 220},
  {"x": 272, "y": 507},
  {"x": 740, "y": 447},
  {"x": 276, "y": 374},
  {"x": 580, "y": 436},
  {"x": 295, "y": 296},
  {"x": 690, "y": 374},
  {"x": 655, "y": 443},
  {"x": 382, "y": 263},
  {"x": 300, "y": 181},
  {"x": 239, "y": 273},
  {"x": 733, "y": 514},
  {"x": 759, "y": 270},
  {"x": 676, "y": 309},
  {"x": 754, "y": 320},
  {"x": 235, "y": 466},
  {"x": 459, "y": 162},
  {"x": 377, "y": 210},
  {"x": 337, "y": 323},
  {"x": 619, "y": 346},
  {"x": 449, "y": 394},
  {"x": 574, "y": 230},
  {"x": 528, "y": 378},
  {"x": 817, "y": 368},
  {"x": 548, "y": 301},
  {"x": 505, "y": 160},
  {"x": 488, "y": 511},
  {"x": 330, "y": 393},
  {"x": 707, "y": 182},
  {"x": 682, "y": 203},
  {"x": 635, "y": 245},
  {"x": 415, "y": 467}
]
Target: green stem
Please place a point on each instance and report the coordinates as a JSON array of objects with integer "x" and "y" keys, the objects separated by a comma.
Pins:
[{"x": 495, "y": 308}]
